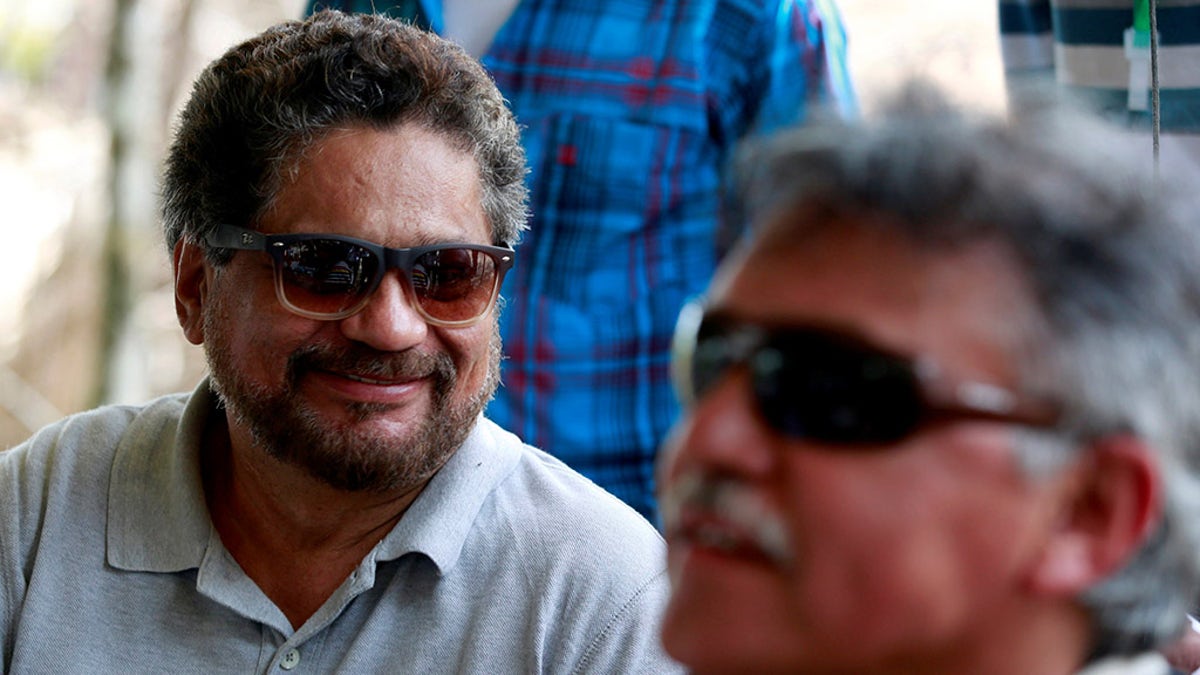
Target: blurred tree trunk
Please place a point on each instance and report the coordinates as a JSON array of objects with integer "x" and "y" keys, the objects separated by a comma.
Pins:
[
  {"x": 116, "y": 292},
  {"x": 145, "y": 68},
  {"x": 176, "y": 76}
]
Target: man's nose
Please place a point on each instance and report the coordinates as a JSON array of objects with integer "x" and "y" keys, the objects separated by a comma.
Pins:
[
  {"x": 389, "y": 321},
  {"x": 723, "y": 432}
]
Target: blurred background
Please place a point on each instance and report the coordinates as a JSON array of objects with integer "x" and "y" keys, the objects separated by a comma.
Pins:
[{"x": 88, "y": 94}]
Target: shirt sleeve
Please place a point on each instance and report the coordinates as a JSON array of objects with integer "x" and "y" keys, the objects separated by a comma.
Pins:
[
  {"x": 806, "y": 68},
  {"x": 21, "y": 502},
  {"x": 1026, "y": 37},
  {"x": 12, "y": 580},
  {"x": 630, "y": 642}
]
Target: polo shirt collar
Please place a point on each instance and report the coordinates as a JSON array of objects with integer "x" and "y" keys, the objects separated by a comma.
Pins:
[
  {"x": 157, "y": 516},
  {"x": 439, "y": 521}
]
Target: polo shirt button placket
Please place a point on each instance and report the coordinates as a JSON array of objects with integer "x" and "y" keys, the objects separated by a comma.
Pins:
[{"x": 290, "y": 660}]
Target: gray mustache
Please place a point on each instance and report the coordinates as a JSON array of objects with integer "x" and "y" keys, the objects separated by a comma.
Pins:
[
  {"x": 731, "y": 501},
  {"x": 372, "y": 363}
]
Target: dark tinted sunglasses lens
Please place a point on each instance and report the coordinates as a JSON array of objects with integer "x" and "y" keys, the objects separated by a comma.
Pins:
[
  {"x": 712, "y": 355},
  {"x": 326, "y": 276},
  {"x": 454, "y": 284},
  {"x": 814, "y": 386}
]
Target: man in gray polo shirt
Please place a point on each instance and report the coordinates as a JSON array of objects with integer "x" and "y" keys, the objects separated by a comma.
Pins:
[{"x": 340, "y": 202}]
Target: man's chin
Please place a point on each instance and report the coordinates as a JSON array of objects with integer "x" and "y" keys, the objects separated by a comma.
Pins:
[
  {"x": 364, "y": 447},
  {"x": 350, "y": 443},
  {"x": 358, "y": 417},
  {"x": 366, "y": 456}
]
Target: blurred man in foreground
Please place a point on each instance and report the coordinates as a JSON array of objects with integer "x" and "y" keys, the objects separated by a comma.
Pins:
[
  {"x": 341, "y": 200},
  {"x": 941, "y": 408}
]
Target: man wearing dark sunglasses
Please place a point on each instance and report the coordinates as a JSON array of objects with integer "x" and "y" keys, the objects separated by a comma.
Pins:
[
  {"x": 341, "y": 201},
  {"x": 943, "y": 410}
]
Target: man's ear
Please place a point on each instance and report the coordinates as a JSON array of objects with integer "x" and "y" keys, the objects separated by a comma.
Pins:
[
  {"x": 1111, "y": 502},
  {"x": 191, "y": 288}
]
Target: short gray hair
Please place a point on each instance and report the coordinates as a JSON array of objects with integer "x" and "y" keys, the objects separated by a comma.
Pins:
[
  {"x": 254, "y": 111},
  {"x": 1111, "y": 253}
]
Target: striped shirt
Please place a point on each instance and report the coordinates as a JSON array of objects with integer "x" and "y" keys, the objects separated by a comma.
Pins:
[
  {"x": 1082, "y": 43},
  {"x": 629, "y": 110}
]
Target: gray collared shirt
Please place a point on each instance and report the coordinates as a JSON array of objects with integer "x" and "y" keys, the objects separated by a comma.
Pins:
[{"x": 508, "y": 562}]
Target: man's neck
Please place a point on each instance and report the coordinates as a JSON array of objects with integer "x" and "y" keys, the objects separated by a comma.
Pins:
[{"x": 296, "y": 537}]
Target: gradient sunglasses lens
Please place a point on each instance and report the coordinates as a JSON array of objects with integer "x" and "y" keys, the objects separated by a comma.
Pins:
[
  {"x": 455, "y": 284},
  {"x": 810, "y": 384},
  {"x": 333, "y": 278},
  {"x": 326, "y": 277}
]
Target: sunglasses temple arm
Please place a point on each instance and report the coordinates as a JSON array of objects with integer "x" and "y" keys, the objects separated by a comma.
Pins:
[
  {"x": 231, "y": 236},
  {"x": 986, "y": 401}
]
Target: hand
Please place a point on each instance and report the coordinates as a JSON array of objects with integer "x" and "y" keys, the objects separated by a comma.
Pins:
[{"x": 1184, "y": 653}]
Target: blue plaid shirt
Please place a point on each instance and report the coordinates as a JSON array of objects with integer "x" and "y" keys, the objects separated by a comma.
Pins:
[{"x": 629, "y": 110}]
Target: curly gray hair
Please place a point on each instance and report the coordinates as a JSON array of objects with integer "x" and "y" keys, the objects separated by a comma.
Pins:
[{"x": 254, "y": 111}]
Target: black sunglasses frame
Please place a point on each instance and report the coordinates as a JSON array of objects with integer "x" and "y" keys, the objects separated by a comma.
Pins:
[
  {"x": 931, "y": 396},
  {"x": 240, "y": 238}
]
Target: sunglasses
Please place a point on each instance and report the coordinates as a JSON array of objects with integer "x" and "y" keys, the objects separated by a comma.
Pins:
[
  {"x": 331, "y": 277},
  {"x": 821, "y": 385}
]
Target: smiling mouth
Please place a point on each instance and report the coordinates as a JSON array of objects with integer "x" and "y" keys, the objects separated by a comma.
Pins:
[
  {"x": 371, "y": 380},
  {"x": 357, "y": 371}
]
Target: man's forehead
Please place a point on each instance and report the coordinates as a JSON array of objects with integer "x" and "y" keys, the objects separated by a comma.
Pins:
[
  {"x": 376, "y": 183},
  {"x": 968, "y": 301}
]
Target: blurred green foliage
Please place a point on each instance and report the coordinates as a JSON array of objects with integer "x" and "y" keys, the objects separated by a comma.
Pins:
[{"x": 26, "y": 52}]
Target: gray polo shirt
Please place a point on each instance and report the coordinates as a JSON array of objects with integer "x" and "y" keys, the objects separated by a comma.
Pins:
[{"x": 508, "y": 562}]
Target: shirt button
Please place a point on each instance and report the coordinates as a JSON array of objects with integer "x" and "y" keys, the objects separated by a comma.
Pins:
[{"x": 290, "y": 660}]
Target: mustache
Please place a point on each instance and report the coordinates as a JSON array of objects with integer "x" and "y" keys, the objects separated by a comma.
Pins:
[
  {"x": 731, "y": 501},
  {"x": 369, "y": 362}
]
